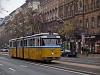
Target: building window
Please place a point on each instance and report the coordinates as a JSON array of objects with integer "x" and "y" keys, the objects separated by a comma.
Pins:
[
  {"x": 71, "y": 10},
  {"x": 92, "y": 22},
  {"x": 61, "y": 12},
  {"x": 97, "y": 3},
  {"x": 98, "y": 21},
  {"x": 80, "y": 23},
  {"x": 87, "y": 24},
  {"x": 66, "y": 11},
  {"x": 86, "y": 7},
  {"x": 92, "y": 4},
  {"x": 80, "y": 4},
  {"x": 76, "y": 8}
]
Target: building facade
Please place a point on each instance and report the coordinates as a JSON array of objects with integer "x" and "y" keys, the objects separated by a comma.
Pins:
[
  {"x": 84, "y": 13},
  {"x": 50, "y": 9}
]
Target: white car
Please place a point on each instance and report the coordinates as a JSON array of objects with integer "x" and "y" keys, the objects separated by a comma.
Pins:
[
  {"x": 69, "y": 53},
  {"x": 4, "y": 50}
]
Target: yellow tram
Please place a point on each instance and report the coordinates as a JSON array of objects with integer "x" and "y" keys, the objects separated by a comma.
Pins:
[{"x": 43, "y": 46}]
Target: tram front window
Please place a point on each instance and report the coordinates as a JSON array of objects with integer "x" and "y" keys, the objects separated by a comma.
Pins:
[{"x": 49, "y": 42}]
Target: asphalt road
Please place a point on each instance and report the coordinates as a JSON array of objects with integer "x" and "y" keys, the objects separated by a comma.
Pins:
[
  {"x": 20, "y": 67},
  {"x": 85, "y": 60},
  {"x": 68, "y": 66}
]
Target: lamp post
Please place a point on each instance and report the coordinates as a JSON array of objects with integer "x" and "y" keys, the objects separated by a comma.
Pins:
[{"x": 83, "y": 42}]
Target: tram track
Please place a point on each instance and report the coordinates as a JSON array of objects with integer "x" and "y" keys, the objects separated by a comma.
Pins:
[
  {"x": 72, "y": 70},
  {"x": 81, "y": 72}
]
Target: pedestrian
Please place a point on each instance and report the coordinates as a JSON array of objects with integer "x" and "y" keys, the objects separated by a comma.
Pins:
[{"x": 82, "y": 51}]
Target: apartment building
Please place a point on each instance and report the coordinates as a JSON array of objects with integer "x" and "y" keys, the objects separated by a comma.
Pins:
[
  {"x": 84, "y": 13},
  {"x": 49, "y": 9}
]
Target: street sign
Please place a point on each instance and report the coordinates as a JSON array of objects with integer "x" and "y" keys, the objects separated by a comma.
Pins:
[
  {"x": 82, "y": 33},
  {"x": 83, "y": 39}
]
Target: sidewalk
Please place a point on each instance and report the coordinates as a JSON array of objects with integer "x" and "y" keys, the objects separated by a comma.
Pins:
[
  {"x": 78, "y": 64},
  {"x": 89, "y": 56}
]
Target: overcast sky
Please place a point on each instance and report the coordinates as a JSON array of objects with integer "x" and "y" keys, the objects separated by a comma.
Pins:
[{"x": 7, "y": 6}]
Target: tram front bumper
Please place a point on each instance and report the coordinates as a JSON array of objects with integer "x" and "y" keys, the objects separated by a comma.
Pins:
[{"x": 51, "y": 58}]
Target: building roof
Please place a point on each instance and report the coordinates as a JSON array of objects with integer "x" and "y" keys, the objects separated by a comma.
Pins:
[
  {"x": 34, "y": 0},
  {"x": 5, "y": 20},
  {"x": 1, "y": 19}
]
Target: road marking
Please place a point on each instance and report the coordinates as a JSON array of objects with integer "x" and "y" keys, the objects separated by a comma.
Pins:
[
  {"x": 88, "y": 62},
  {"x": 23, "y": 66},
  {"x": 57, "y": 68},
  {"x": 64, "y": 68},
  {"x": 12, "y": 69},
  {"x": 2, "y": 73},
  {"x": 1, "y": 65}
]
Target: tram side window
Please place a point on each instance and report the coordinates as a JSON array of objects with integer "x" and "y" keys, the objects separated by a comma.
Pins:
[
  {"x": 25, "y": 42},
  {"x": 58, "y": 42},
  {"x": 10, "y": 44},
  {"x": 42, "y": 42},
  {"x": 18, "y": 43},
  {"x": 21, "y": 43},
  {"x": 31, "y": 42},
  {"x": 14, "y": 44},
  {"x": 37, "y": 42}
]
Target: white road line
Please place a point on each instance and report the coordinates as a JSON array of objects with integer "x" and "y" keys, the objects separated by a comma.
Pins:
[
  {"x": 84, "y": 62},
  {"x": 1, "y": 65},
  {"x": 2, "y": 73},
  {"x": 23, "y": 66},
  {"x": 12, "y": 69},
  {"x": 62, "y": 69},
  {"x": 69, "y": 69}
]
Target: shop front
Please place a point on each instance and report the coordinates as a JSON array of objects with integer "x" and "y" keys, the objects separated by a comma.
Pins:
[{"x": 93, "y": 43}]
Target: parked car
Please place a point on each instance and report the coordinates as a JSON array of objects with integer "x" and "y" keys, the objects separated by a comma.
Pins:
[
  {"x": 4, "y": 50},
  {"x": 69, "y": 53}
]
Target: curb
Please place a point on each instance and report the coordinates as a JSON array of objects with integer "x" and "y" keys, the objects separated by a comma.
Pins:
[
  {"x": 89, "y": 56},
  {"x": 74, "y": 70}
]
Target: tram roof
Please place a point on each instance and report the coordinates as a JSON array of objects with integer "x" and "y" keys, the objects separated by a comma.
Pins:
[
  {"x": 12, "y": 40},
  {"x": 41, "y": 34}
]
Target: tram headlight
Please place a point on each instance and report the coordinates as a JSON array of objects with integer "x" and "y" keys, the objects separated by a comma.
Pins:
[{"x": 52, "y": 53}]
